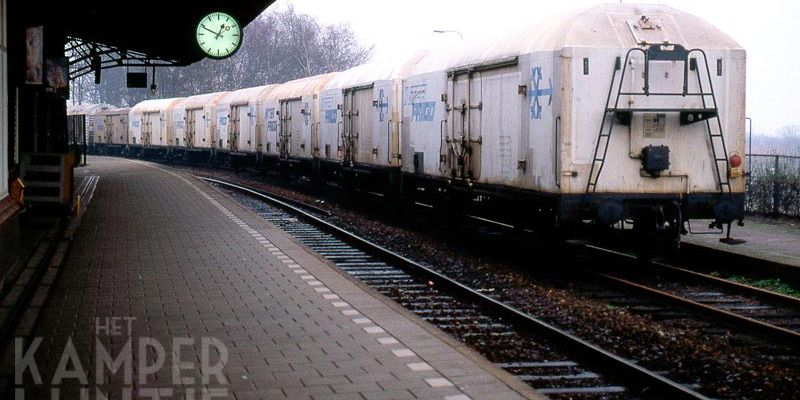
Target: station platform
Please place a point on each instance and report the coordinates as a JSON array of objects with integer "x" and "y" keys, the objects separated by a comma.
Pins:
[
  {"x": 777, "y": 241},
  {"x": 186, "y": 294}
]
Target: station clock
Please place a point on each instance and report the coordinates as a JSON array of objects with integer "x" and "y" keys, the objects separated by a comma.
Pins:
[{"x": 219, "y": 35}]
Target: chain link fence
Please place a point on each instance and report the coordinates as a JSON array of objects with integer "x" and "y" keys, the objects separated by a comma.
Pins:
[{"x": 773, "y": 187}]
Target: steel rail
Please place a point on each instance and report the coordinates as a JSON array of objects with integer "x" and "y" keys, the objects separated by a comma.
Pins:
[
  {"x": 764, "y": 294},
  {"x": 294, "y": 204},
  {"x": 635, "y": 377},
  {"x": 782, "y": 334}
]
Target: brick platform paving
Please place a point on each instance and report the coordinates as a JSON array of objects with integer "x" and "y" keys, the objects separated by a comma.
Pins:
[{"x": 189, "y": 295}]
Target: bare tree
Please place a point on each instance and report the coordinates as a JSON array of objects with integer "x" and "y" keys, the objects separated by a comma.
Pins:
[
  {"x": 279, "y": 45},
  {"x": 791, "y": 139}
]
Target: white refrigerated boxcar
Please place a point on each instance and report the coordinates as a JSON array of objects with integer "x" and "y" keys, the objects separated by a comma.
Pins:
[
  {"x": 195, "y": 124},
  {"x": 291, "y": 109},
  {"x": 83, "y": 115},
  {"x": 240, "y": 123},
  {"x": 359, "y": 118},
  {"x": 112, "y": 126},
  {"x": 617, "y": 112},
  {"x": 357, "y": 114},
  {"x": 149, "y": 129}
]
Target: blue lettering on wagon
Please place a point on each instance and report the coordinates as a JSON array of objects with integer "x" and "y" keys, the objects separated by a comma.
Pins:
[
  {"x": 423, "y": 111},
  {"x": 269, "y": 115},
  {"x": 416, "y": 96},
  {"x": 415, "y": 93},
  {"x": 535, "y": 92},
  {"x": 330, "y": 116},
  {"x": 330, "y": 111}
]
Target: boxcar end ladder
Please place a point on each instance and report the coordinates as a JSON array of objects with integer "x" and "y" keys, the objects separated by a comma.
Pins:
[{"x": 624, "y": 115}]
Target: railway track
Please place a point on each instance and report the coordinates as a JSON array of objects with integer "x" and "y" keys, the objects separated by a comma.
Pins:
[
  {"x": 551, "y": 360},
  {"x": 761, "y": 312}
]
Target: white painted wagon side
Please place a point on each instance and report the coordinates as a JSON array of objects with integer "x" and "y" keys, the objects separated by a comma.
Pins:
[
  {"x": 198, "y": 125},
  {"x": 101, "y": 127},
  {"x": 117, "y": 129},
  {"x": 422, "y": 128},
  {"x": 244, "y": 122},
  {"x": 330, "y": 125},
  {"x": 177, "y": 127},
  {"x": 541, "y": 121},
  {"x": 150, "y": 120},
  {"x": 268, "y": 109},
  {"x": 355, "y": 115},
  {"x": 359, "y": 114},
  {"x": 463, "y": 115},
  {"x": 112, "y": 126},
  {"x": 88, "y": 111},
  {"x": 296, "y": 111}
]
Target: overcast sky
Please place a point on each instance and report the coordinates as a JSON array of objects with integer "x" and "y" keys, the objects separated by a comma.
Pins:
[{"x": 768, "y": 29}]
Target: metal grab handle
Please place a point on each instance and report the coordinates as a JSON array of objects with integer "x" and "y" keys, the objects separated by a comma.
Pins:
[
  {"x": 315, "y": 149},
  {"x": 556, "y": 149},
  {"x": 399, "y": 154},
  {"x": 442, "y": 124},
  {"x": 389, "y": 142},
  {"x": 338, "y": 134}
]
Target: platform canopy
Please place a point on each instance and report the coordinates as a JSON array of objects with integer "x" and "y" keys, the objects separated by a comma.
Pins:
[{"x": 156, "y": 28}]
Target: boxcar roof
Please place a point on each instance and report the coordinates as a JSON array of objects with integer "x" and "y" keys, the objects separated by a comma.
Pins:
[
  {"x": 114, "y": 111},
  {"x": 244, "y": 96},
  {"x": 300, "y": 87},
  {"x": 86, "y": 109},
  {"x": 616, "y": 26},
  {"x": 156, "y": 105},
  {"x": 199, "y": 101}
]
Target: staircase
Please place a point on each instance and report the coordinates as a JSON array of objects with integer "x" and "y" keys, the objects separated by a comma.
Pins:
[{"x": 48, "y": 178}]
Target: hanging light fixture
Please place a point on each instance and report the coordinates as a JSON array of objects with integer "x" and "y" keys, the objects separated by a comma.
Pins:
[{"x": 153, "y": 86}]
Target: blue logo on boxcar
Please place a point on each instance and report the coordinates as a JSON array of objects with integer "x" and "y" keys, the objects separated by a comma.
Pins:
[
  {"x": 383, "y": 105},
  {"x": 535, "y": 92}
]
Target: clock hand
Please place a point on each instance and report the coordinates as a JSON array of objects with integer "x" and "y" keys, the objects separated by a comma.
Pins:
[{"x": 216, "y": 34}]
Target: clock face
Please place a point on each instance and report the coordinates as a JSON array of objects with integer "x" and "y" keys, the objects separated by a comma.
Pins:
[{"x": 219, "y": 35}]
